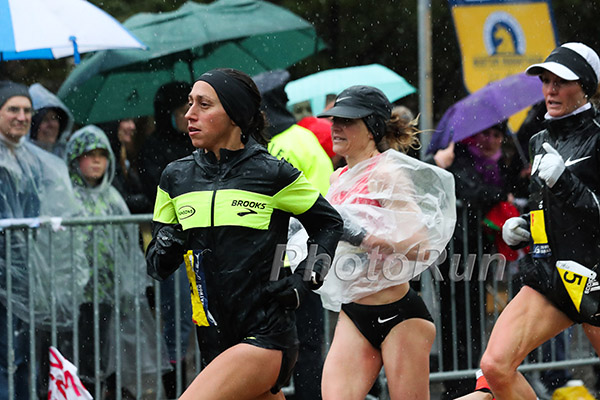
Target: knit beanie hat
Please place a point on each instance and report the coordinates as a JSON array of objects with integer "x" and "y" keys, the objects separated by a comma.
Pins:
[{"x": 10, "y": 89}]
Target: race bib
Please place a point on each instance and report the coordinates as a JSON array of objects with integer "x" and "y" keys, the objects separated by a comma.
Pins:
[
  {"x": 581, "y": 284},
  {"x": 195, "y": 273}
]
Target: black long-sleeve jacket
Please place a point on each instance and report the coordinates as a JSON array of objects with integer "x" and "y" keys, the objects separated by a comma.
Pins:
[
  {"x": 236, "y": 211},
  {"x": 572, "y": 206}
]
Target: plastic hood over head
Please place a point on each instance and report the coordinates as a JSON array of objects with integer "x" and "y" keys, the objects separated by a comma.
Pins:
[
  {"x": 84, "y": 140},
  {"x": 43, "y": 101}
]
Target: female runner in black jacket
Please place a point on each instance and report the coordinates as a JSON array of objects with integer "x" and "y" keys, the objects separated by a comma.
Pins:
[
  {"x": 227, "y": 207},
  {"x": 561, "y": 286}
]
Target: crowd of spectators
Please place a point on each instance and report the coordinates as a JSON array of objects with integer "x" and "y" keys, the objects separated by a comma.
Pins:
[{"x": 114, "y": 168}]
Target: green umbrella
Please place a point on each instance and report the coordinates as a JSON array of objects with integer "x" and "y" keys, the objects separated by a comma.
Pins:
[{"x": 250, "y": 35}]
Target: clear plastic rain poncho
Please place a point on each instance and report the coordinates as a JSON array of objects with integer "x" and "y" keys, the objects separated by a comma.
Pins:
[
  {"x": 114, "y": 250},
  {"x": 405, "y": 203},
  {"x": 113, "y": 254},
  {"x": 42, "y": 100},
  {"x": 47, "y": 264}
]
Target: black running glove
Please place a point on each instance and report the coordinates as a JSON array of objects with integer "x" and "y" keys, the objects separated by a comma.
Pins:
[
  {"x": 291, "y": 290},
  {"x": 171, "y": 238},
  {"x": 165, "y": 251}
]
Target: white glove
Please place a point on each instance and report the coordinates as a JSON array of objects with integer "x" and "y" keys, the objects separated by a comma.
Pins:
[
  {"x": 515, "y": 231},
  {"x": 551, "y": 166}
]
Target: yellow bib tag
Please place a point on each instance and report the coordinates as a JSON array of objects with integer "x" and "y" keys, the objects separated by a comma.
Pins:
[
  {"x": 193, "y": 265},
  {"x": 537, "y": 226}
]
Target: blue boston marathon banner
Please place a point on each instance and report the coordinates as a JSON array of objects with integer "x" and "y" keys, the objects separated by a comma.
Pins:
[{"x": 498, "y": 38}]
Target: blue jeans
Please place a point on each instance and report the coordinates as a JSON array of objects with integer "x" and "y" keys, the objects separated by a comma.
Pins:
[
  {"x": 168, "y": 301},
  {"x": 20, "y": 333}
]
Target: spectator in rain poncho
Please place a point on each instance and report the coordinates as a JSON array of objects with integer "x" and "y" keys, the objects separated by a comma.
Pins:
[
  {"x": 34, "y": 183},
  {"x": 52, "y": 121},
  {"x": 114, "y": 261},
  {"x": 398, "y": 217}
]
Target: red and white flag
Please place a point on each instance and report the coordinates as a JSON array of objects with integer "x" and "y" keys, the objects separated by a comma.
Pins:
[{"x": 64, "y": 383}]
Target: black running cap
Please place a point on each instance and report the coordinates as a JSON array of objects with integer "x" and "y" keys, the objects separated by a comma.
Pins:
[
  {"x": 359, "y": 102},
  {"x": 572, "y": 62}
]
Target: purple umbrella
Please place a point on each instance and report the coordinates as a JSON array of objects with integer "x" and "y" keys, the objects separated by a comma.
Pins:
[{"x": 486, "y": 107}]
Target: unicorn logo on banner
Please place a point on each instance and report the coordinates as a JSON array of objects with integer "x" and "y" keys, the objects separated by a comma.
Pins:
[{"x": 503, "y": 34}]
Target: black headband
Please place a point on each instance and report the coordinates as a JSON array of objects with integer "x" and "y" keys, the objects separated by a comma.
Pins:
[
  {"x": 578, "y": 65},
  {"x": 237, "y": 97}
]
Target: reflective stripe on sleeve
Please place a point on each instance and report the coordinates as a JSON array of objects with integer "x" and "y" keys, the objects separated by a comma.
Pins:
[
  {"x": 297, "y": 197},
  {"x": 164, "y": 210}
]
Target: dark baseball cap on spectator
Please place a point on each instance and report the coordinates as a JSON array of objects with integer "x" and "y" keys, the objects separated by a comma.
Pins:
[
  {"x": 10, "y": 89},
  {"x": 359, "y": 102},
  {"x": 572, "y": 62},
  {"x": 364, "y": 102}
]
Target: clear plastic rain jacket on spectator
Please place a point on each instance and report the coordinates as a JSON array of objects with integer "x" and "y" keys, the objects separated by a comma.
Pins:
[
  {"x": 393, "y": 196},
  {"x": 116, "y": 256},
  {"x": 112, "y": 241},
  {"x": 235, "y": 211},
  {"x": 35, "y": 185},
  {"x": 43, "y": 101}
]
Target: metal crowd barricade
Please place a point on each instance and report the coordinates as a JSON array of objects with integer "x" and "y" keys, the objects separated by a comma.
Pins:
[
  {"x": 494, "y": 294},
  {"x": 147, "y": 385}
]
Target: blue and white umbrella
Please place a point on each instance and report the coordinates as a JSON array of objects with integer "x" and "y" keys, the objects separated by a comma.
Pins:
[{"x": 48, "y": 29}]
